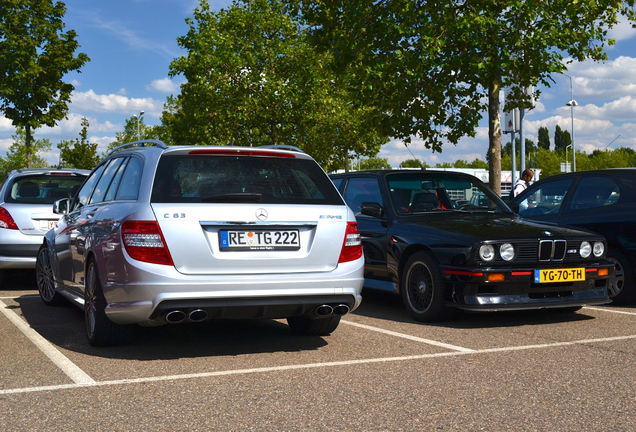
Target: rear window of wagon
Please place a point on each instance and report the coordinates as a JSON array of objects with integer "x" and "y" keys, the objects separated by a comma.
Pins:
[{"x": 242, "y": 179}]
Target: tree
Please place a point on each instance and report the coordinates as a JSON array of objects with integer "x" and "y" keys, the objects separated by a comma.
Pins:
[
  {"x": 253, "y": 79},
  {"x": 434, "y": 68},
  {"x": 35, "y": 55},
  {"x": 412, "y": 163},
  {"x": 374, "y": 163},
  {"x": 136, "y": 129},
  {"x": 16, "y": 156},
  {"x": 79, "y": 153},
  {"x": 562, "y": 139},
  {"x": 543, "y": 139},
  {"x": 476, "y": 163}
]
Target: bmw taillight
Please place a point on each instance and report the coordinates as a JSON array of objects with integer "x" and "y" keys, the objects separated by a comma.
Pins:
[
  {"x": 352, "y": 245},
  {"x": 144, "y": 241},
  {"x": 6, "y": 221}
]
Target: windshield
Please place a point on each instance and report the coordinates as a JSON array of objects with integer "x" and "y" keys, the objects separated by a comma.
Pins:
[{"x": 418, "y": 192}]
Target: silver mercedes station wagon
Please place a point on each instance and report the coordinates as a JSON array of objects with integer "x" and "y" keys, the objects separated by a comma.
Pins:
[{"x": 165, "y": 235}]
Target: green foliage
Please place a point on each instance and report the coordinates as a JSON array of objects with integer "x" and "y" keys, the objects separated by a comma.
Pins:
[
  {"x": 413, "y": 163},
  {"x": 434, "y": 68},
  {"x": 507, "y": 148},
  {"x": 550, "y": 161},
  {"x": 477, "y": 163},
  {"x": 79, "y": 153},
  {"x": 136, "y": 129},
  {"x": 253, "y": 79},
  {"x": 543, "y": 139},
  {"x": 17, "y": 156},
  {"x": 35, "y": 55},
  {"x": 374, "y": 163},
  {"x": 562, "y": 139}
]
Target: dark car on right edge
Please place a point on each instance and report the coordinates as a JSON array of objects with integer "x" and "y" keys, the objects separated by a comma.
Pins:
[
  {"x": 444, "y": 240},
  {"x": 603, "y": 201}
]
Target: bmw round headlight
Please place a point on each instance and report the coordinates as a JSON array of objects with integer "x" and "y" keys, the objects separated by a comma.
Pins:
[
  {"x": 487, "y": 252},
  {"x": 507, "y": 252},
  {"x": 586, "y": 249},
  {"x": 599, "y": 249}
]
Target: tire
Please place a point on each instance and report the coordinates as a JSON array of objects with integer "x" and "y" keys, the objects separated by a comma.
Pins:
[
  {"x": 100, "y": 330},
  {"x": 422, "y": 289},
  {"x": 306, "y": 326},
  {"x": 621, "y": 286},
  {"x": 46, "y": 280}
]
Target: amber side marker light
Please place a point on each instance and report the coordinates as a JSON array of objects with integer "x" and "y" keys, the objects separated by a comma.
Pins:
[{"x": 496, "y": 277}]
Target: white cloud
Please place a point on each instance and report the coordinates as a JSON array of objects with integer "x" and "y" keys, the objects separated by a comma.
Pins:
[
  {"x": 164, "y": 85},
  {"x": 115, "y": 103},
  {"x": 611, "y": 79},
  {"x": 623, "y": 31},
  {"x": 5, "y": 124}
]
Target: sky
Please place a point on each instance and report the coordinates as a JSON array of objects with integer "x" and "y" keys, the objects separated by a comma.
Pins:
[{"x": 132, "y": 42}]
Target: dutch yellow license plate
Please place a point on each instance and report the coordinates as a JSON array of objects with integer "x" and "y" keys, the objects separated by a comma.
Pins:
[{"x": 559, "y": 275}]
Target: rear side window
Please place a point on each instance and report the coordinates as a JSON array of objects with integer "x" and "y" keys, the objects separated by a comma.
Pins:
[
  {"x": 43, "y": 189},
  {"x": 130, "y": 181},
  {"x": 242, "y": 179},
  {"x": 593, "y": 192}
]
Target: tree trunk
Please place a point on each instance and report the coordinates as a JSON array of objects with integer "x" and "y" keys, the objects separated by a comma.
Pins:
[
  {"x": 494, "y": 136},
  {"x": 28, "y": 145}
]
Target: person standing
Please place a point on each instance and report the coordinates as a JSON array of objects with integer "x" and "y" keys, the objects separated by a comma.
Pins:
[{"x": 523, "y": 182}]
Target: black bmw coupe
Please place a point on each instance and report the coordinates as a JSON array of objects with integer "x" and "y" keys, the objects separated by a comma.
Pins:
[{"x": 444, "y": 240}]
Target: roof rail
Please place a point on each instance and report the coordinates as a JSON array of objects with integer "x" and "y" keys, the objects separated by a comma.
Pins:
[
  {"x": 140, "y": 143},
  {"x": 282, "y": 147}
]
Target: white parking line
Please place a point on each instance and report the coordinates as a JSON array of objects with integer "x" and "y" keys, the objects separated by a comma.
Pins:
[
  {"x": 308, "y": 366},
  {"x": 69, "y": 368},
  {"x": 409, "y": 337},
  {"x": 609, "y": 310}
]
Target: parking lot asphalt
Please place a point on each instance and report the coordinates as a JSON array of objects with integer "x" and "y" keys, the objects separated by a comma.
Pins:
[{"x": 379, "y": 371}]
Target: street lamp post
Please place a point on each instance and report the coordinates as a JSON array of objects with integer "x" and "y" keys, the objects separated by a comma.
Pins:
[
  {"x": 139, "y": 120},
  {"x": 567, "y": 167},
  {"x": 572, "y": 103}
]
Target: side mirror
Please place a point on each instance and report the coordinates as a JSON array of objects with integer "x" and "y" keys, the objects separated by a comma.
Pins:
[
  {"x": 514, "y": 206},
  {"x": 373, "y": 209},
  {"x": 61, "y": 206}
]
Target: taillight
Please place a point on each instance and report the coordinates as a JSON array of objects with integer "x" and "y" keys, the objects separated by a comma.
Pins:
[
  {"x": 6, "y": 221},
  {"x": 352, "y": 245},
  {"x": 144, "y": 241}
]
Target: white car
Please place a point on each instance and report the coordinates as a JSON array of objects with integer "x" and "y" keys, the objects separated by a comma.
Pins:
[
  {"x": 26, "y": 212},
  {"x": 162, "y": 234}
]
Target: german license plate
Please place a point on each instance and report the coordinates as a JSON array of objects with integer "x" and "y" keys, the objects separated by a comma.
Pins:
[
  {"x": 559, "y": 275},
  {"x": 240, "y": 240}
]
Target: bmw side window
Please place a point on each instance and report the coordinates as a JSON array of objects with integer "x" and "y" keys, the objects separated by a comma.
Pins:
[
  {"x": 361, "y": 190},
  {"x": 84, "y": 194},
  {"x": 546, "y": 199},
  {"x": 130, "y": 181},
  {"x": 337, "y": 183},
  {"x": 594, "y": 192}
]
